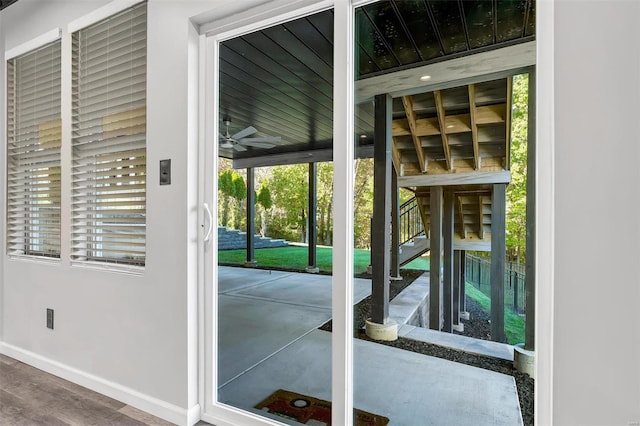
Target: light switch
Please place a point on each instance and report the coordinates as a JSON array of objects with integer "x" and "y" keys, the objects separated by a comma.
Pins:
[{"x": 165, "y": 172}]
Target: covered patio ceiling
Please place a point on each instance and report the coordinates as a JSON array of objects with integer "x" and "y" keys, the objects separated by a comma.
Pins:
[{"x": 280, "y": 80}]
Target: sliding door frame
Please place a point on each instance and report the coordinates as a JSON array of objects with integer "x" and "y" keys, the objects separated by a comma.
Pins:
[{"x": 266, "y": 15}]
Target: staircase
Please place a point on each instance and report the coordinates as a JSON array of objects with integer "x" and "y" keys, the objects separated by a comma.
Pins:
[
  {"x": 413, "y": 239},
  {"x": 472, "y": 223},
  {"x": 232, "y": 239}
]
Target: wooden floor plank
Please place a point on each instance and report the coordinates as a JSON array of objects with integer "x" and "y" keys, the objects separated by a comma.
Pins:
[
  {"x": 29, "y": 396},
  {"x": 17, "y": 411}
]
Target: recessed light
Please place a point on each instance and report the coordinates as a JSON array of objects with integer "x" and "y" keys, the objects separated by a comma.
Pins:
[
  {"x": 450, "y": 126},
  {"x": 363, "y": 136},
  {"x": 425, "y": 78}
]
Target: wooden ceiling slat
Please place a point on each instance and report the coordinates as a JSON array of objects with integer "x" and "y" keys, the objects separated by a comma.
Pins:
[
  {"x": 441, "y": 121},
  {"x": 463, "y": 229},
  {"x": 507, "y": 125},
  {"x": 474, "y": 127},
  {"x": 411, "y": 119}
]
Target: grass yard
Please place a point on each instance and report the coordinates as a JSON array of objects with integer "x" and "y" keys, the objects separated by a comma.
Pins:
[
  {"x": 513, "y": 324},
  {"x": 295, "y": 257}
]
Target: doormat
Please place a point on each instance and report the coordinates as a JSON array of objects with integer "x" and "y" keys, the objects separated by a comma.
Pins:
[{"x": 311, "y": 411}]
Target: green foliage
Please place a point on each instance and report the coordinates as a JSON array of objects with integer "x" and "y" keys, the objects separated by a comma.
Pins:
[
  {"x": 513, "y": 324},
  {"x": 263, "y": 197},
  {"x": 232, "y": 191},
  {"x": 517, "y": 189}
]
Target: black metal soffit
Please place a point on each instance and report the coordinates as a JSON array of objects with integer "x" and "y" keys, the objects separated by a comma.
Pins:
[
  {"x": 280, "y": 79},
  {"x": 6, "y": 3}
]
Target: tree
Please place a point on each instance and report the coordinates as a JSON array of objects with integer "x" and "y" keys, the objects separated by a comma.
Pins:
[
  {"x": 263, "y": 199},
  {"x": 517, "y": 190},
  {"x": 232, "y": 192}
]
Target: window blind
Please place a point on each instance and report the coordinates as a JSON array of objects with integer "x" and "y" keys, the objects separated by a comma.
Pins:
[
  {"x": 109, "y": 139},
  {"x": 33, "y": 152}
]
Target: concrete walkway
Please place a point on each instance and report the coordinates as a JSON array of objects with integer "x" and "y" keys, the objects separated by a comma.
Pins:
[{"x": 268, "y": 340}]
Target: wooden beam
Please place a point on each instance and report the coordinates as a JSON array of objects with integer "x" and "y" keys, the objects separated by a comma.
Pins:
[
  {"x": 456, "y": 287},
  {"x": 444, "y": 179},
  {"x": 530, "y": 262},
  {"x": 435, "y": 274},
  {"x": 298, "y": 157},
  {"x": 251, "y": 214},
  {"x": 407, "y": 101},
  {"x": 452, "y": 73},
  {"x": 507, "y": 125},
  {"x": 480, "y": 218},
  {"x": 394, "y": 271},
  {"x": 474, "y": 127},
  {"x": 447, "y": 262},
  {"x": 381, "y": 222},
  {"x": 423, "y": 214},
  {"x": 396, "y": 156},
  {"x": 463, "y": 230},
  {"x": 312, "y": 232},
  {"x": 442, "y": 123},
  {"x": 498, "y": 261}
]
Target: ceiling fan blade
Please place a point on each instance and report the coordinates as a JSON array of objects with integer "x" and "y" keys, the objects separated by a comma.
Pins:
[
  {"x": 268, "y": 139},
  {"x": 249, "y": 142},
  {"x": 246, "y": 132},
  {"x": 239, "y": 147}
]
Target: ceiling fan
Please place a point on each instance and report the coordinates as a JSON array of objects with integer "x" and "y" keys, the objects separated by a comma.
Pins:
[{"x": 239, "y": 141}]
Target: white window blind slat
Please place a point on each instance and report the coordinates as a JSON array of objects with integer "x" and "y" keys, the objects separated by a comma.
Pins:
[
  {"x": 109, "y": 140},
  {"x": 34, "y": 134}
]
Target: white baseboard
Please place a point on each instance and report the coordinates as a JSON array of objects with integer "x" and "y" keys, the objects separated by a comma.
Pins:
[{"x": 155, "y": 406}]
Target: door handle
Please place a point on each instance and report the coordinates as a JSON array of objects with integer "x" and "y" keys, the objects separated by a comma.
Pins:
[{"x": 208, "y": 234}]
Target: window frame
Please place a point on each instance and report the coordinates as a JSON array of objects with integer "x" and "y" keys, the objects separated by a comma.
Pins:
[
  {"x": 15, "y": 250},
  {"x": 87, "y": 241}
]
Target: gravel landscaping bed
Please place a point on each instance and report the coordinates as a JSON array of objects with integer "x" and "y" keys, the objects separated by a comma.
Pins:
[{"x": 477, "y": 326}]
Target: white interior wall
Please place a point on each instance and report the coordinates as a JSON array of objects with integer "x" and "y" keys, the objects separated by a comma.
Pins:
[
  {"x": 134, "y": 331},
  {"x": 597, "y": 191}
]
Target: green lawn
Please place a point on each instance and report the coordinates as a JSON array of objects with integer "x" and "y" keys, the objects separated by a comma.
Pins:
[
  {"x": 295, "y": 257},
  {"x": 513, "y": 324}
]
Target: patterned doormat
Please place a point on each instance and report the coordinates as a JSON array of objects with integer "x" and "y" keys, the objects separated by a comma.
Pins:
[{"x": 311, "y": 411}]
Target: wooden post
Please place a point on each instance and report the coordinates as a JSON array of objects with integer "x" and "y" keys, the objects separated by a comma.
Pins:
[
  {"x": 530, "y": 261},
  {"x": 312, "y": 232},
  {"x": 395, "y": 226},
  {"x": 435, "y": 272},
  {"x": 381, "y": 238},
  {"x": 498, "y": 261},
  {"x": 251, "y": 214},
  {"x": 456, "y": 287},
  {"x": 463, "y": 281},
  {"x": 447, "y": 294}
]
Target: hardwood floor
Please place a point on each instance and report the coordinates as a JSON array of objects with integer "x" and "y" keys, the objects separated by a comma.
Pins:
[{"x": 29, "y": 396}]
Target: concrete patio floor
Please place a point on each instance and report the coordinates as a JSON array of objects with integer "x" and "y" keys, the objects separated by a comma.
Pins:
[{"x": 268, "y": 340}]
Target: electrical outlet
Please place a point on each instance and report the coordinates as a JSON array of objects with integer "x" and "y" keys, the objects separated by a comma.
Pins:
[{"x": 50, "y": 318}]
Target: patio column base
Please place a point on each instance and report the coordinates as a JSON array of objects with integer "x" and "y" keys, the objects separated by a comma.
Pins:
[
  {"x": 398, "y": 278},
  {"x": 312, "y": 269},
  {"x": 524, "y": 360},
  {"x": 250, "y": 264},
  {"x": 386, "y": 332},
  {"x": 465, "y": 316},
  {"x": 458, "y": 327}
]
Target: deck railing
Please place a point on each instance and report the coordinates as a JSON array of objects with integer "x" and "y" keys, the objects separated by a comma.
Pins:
[{"x": 411, "y": 224}]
